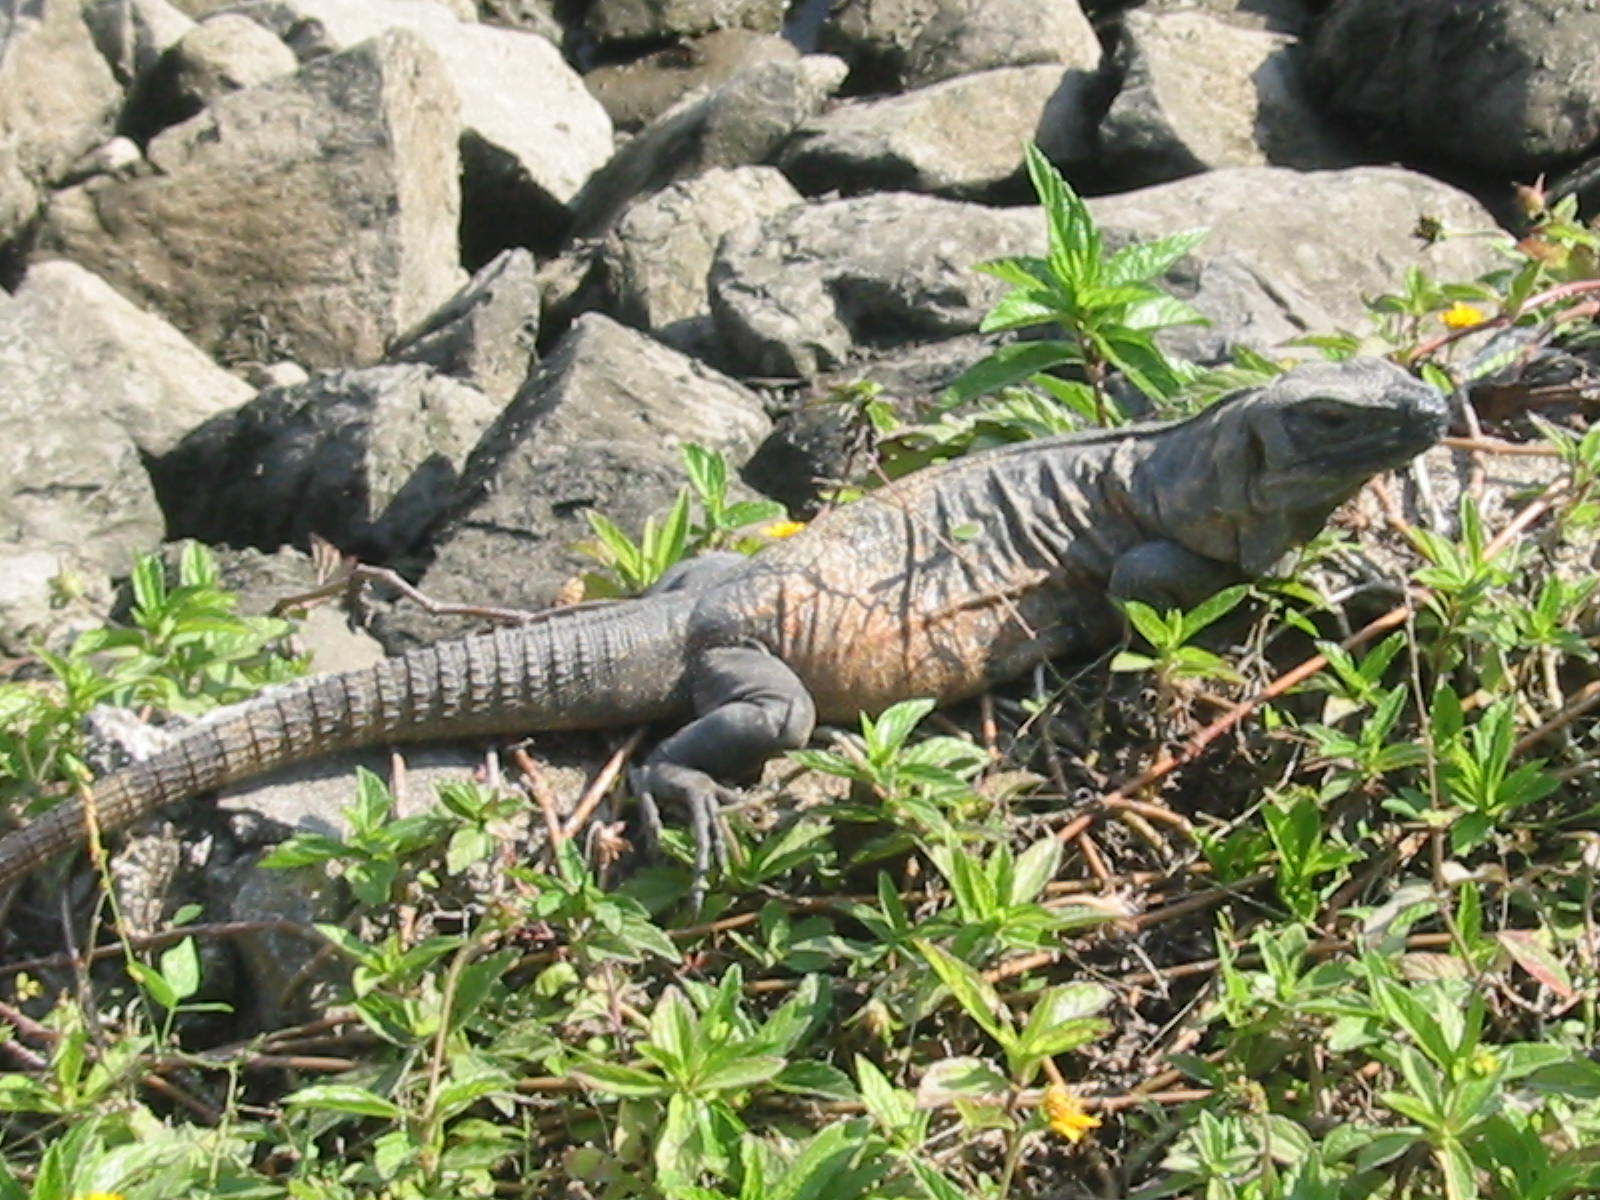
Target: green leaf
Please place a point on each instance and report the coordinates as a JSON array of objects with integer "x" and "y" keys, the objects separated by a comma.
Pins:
[
  {"x": 744, "y": 1071},
  {"x": 1036, "y": 867},
  {"x": 809, "y": 1078},
  {"x": 1213, "y": 609},
  {"x": 619, "y": 1080},
  {"x": 971, "y": 990},
  {"x": 1011, "y": 364},
  {"x": 346, "y": 1098},
  {"x": 1144, "y": 261}
]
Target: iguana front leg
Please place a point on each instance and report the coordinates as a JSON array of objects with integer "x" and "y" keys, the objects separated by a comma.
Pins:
[
  {"x": 1166, "y": 575},
  {"x": 751, "y": 706}
]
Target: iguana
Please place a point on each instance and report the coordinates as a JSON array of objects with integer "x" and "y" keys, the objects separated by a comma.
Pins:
[{"x": 940, "y": 584}]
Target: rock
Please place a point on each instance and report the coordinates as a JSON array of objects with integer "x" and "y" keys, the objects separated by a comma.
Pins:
[
  {"x": 223, "y": 54},
  {"x": 530, "y": 16},
  {"x": 1504, "y": 85},
  {"x": 75, "y": 502},
  {"x": 962, "y": 138},
  {"x": 151, "y": 382},
  {"x": 875, "y": 38},
  {"x": 278, "y": 374},
  {"x": 967, "y": 36},
  {"x": 597, "y": 426},
  {"x": 120, "y": 156},
  {"x": 894, "y": 44},
  {"x": 313, "y": 216},
  {"x": 324, "y": 634},
  {"x": 653, "y": 266},
  {"x": 637, "y": 92},
  {"x": 734, "y": 124},
  {"x": 645, "y": 20},
  {"x": 532, "y": 134},
  {"x": 819, "y": 288},
  {"x": 1281, "y": 16},
  {"x": 799, "y": 293},
  {"x": 58, "y": 100},
  {"x": 367, "y": 459},
  {"x": 1273, "y": 224},
  {"x": 1199, "y": 93},
  {"x": 132, "y": 35},
  {"x": 486, "y": 333}
]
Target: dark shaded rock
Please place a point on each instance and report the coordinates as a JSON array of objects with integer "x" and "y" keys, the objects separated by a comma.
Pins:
[
  {"x": 486, "y": 333},
  {"x": 597, "y": 426},
  {"x": 735, "y": 124},
  {"x": 132, "y": 35},
  {"x": 367, "y": 459},
  {"x": 637, "y": 92},
  {"x": 1199, "y": 93},
  {"x": 1505, "y": 85},
  {"x": 224, "y": 53},
  {"x": 646, "y": 20}
]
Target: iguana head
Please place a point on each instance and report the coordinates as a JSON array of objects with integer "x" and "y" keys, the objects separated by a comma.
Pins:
[{"x": 1284, "y": 456}]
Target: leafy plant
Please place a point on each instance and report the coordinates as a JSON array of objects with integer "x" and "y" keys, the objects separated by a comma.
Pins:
[
  {"x": 1105, "y": 306},
  {"x": 671, "y": 538}
]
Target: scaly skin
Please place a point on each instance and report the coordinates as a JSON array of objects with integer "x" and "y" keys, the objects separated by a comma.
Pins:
[{"x": 939, "y": 585}]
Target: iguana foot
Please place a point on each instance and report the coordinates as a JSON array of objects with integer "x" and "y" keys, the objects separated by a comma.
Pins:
[
  {"x": 751, "y": 707},
  {"x": 701, "y": 797}
]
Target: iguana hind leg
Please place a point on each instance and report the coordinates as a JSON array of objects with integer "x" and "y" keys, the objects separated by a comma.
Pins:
[{"x": 751, "y": 706}]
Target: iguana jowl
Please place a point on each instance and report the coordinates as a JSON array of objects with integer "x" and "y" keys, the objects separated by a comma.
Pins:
[{"x": 940, "y": 585}]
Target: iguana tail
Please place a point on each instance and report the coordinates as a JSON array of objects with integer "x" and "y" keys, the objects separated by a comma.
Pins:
[{"x": 583, "y": 668}]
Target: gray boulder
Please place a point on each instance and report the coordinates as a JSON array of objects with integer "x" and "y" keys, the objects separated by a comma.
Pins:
[
  {"x": 961, "y": 138},
  {"x": 1504, "y": 85},
  {"x": 635, "y": 93},
  {"x": 654, "y": 263},
  {"x": 893, "y": 44},
  {"x": 737, "y": 123},
  {"x": 965, "y": 36},
  {"x": 532, "y": 132},
  {"x": 132, "y": 35},
  {"x": 152, "y": 384},
  {"x": 366, "y": 459},
  {"x": 597, "y": 426},
  {"x": 821, "y": 288},
  {"x": 1200, "y": 93},
  {"x": 223, "y": 54},
  {"x": 1272, "y": 224},
  {"x": 810, "y": 288},
  {"x": 1293, "y": 17},
  {"x": 653, "y": 20},
  {"x": 486, "y": 333},
  {"x": 58, "y": 100},
  {"x": 312, "y": 217},
  {"x": 75, "y": 502}
]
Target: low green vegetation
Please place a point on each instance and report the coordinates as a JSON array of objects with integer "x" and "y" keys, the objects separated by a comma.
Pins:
[{"x": 1347, "y": 949}]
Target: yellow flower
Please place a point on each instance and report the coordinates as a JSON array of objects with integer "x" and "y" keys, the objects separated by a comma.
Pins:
[
  {"x": 101, "y": 1196},
  {"x": 1461, "y": 315},
  {"x": 1065, "y": 1114},
  {"x": 782, "y": 529}
]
